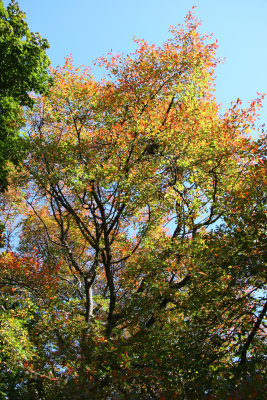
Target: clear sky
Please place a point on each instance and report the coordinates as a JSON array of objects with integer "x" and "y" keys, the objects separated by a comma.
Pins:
[{"x": 90, "y": 28}]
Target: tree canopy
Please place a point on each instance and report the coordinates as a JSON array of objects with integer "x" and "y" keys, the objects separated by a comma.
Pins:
[
  {"x": 23, "y": 69},
  {"x": 139, "y": 271}
]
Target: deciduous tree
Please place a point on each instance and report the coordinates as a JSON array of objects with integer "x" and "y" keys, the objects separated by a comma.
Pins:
[{"x": 146, "y": 201}]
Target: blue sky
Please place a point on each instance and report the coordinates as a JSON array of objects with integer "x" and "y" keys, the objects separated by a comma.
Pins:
[{"x": 90, "y": 28}]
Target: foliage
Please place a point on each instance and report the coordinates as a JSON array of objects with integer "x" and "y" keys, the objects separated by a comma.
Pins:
[
  {"x": 141, "y": 220},
  {"x": 23, "y": 68}
]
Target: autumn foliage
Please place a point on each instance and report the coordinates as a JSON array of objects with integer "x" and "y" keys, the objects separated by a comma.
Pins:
[{"x": 139, "y": 211}]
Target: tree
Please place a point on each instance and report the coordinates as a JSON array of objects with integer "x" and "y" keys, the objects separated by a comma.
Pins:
[
  {"x": 23, "y": 69},
  {"x": 146, "y": 202}
]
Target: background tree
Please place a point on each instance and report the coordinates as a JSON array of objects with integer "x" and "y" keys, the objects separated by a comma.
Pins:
[
  {"x": 143, "y": 203},
  {"x": 23, "y": 69}
]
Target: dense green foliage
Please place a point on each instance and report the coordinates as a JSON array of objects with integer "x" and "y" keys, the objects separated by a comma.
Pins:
[{"x": 23, "y": 68}]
